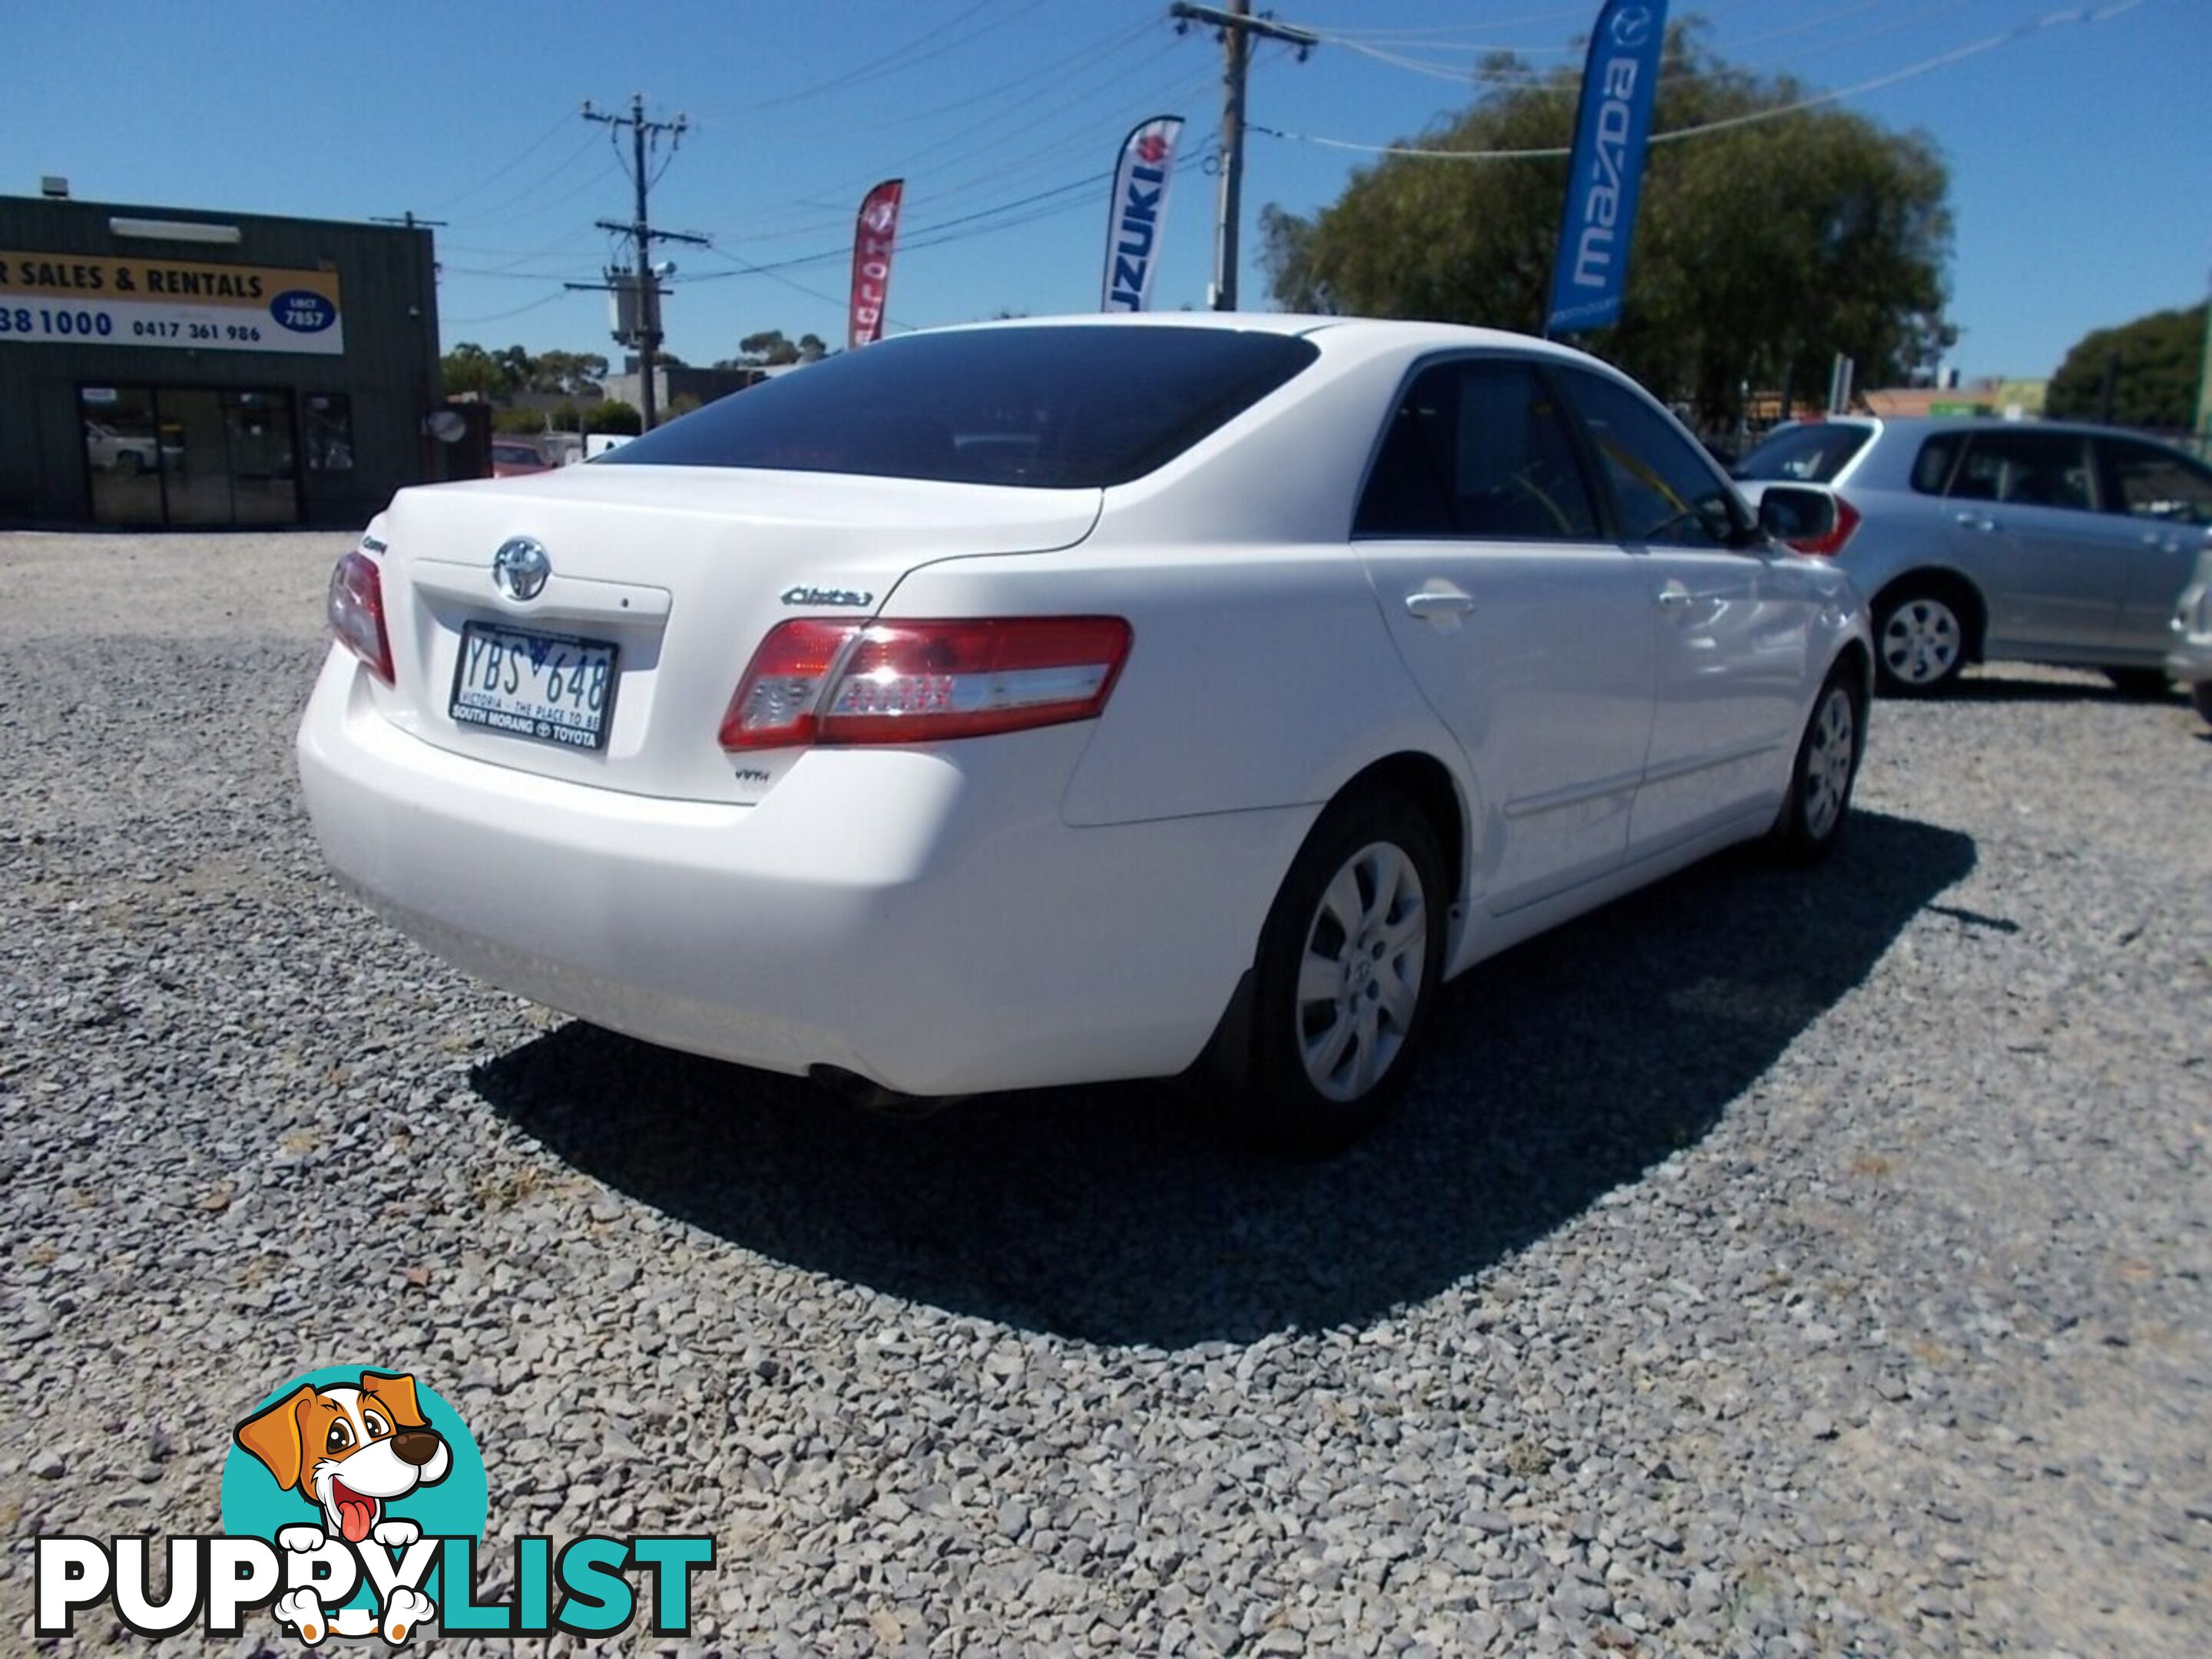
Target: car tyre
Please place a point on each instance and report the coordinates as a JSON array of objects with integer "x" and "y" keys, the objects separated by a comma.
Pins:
[
  {"x": 130, "y": 463},
  {"x": 1920, "y": 640},
  {"x": 1342, "y": 984},
  {"x": 2201, "y": 695},
  {"x": 1827, "y": 767},
  {"x": 2147, "y": 684}
]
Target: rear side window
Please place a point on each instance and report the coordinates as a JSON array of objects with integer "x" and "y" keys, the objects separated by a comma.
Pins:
[
  {"x": 1931, "y": 467},
  {"x": 1040, "y": 408},
  {"x": 2147, "y": 482},
  {"x": 1478, "y": 448},
  {"x": 1813, "y": 453},
  {"x": 2025, "y": 469}
]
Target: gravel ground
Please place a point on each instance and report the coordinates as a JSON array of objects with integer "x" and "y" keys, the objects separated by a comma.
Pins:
[{"x": 1770, "y": 1264}]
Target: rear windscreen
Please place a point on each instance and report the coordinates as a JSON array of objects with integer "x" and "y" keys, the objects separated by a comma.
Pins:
[
  {"x": 1042, "y": 408},
  {"x": 1805, "y": 455}
]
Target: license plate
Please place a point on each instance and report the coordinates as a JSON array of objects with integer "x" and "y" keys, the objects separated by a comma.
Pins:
[{"x": 552, "y": 688}]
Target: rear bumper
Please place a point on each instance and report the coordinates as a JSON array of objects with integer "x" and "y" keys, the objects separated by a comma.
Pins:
[
  {"x": 924, "y": 918},
  {"x": 2190, "y": 658}
]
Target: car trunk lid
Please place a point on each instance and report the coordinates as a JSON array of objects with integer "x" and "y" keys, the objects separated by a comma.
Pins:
[{"x": 657, "y": 585}]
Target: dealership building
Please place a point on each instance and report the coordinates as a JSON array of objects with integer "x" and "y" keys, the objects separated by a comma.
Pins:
[{"x": 167, "y": 367}]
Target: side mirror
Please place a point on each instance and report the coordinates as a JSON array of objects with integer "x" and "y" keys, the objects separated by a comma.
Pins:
[{"x": 1797, "y": 514}]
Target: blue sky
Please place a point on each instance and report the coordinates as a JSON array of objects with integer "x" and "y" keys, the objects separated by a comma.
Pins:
[{"x": 2080, "y": 151}]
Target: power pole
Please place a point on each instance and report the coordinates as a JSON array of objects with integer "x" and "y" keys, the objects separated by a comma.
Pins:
[
  {"x": 643, "y": 236},
  {"x": 407, "y": 219},
  {"x": 1238, "y": 28}
]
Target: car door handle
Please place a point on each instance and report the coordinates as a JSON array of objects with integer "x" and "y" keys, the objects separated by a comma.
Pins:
[
  {"x": 1434, "y": 603},
  {"x": 1671, "y": 597},
  {"x": 1976, "y": 520}
]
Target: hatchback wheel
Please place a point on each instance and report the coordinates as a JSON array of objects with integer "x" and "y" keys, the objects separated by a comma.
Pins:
[
  {"x": 1347, "y": 967},
  {"x": 2201, "y": 695},
  {"x": 1920, "y": 641},
  {"x": 1827, "y": 766}
]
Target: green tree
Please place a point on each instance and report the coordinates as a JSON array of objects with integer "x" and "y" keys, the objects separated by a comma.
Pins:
[
  {"x": 572, "y": 373},
  {"x": 614, "y": 416},
  {"x": 468, "y": 368},
  {"x": 1761, "y": 250},
  {"x": 526, "y": 422},
  {"x": 767, "y": 347},
  {"x": 2156, "y": 362}
]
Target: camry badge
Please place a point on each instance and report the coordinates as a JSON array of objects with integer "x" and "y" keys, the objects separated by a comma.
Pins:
[{"x": 520, "y": 568}]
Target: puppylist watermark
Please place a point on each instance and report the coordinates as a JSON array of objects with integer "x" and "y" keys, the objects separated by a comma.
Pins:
[{"x": 353, "y": 1505}]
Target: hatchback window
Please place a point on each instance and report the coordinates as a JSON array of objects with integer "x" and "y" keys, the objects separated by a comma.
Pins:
[
  {"x": 1478, "y": 447},
  {"x": 2150, "y": 483},
  {"x": 1667, "y": 492},
  {"x": 1810, "y": 453},
  {"x": 2025, "y": 469},
  {"x": 1042, "y": 408}
]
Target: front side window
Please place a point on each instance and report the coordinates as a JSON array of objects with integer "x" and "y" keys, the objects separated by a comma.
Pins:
[
  {"x": 1043, "y": 408},
  {"x": 1667, "y": 492},
  {"x": 1478, "y": 448},
  {"x": 2147, "y": 482},
  {"x": 2025, "y": 469}
]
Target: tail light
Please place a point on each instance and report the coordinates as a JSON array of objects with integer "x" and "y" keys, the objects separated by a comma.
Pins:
[
  {"x": 356, "y": 607},
  {"x": 820, "y": 681},
  {"x": 1827, "y": 546}
]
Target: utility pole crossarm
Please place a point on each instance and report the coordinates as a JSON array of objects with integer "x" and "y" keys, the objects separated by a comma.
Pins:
[
  {"x": 1239, "y": 28},
  {"x": 1213, "y": 17}
]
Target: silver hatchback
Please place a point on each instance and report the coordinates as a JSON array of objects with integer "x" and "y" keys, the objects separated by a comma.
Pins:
[{"x": 1976, "y": 540}]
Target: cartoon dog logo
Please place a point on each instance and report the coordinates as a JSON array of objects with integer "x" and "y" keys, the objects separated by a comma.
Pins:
[{"x": 351, "y": 1451}]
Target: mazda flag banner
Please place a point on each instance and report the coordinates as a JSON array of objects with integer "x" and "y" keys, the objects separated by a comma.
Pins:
[
  {"x": 1611, "y": 128},
  {"x": 1139, "y": 202},
  {"x": 871, "y": 260}
]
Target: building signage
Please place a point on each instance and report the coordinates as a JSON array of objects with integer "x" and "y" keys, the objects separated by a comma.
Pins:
[{"x": 190, "y": 303}]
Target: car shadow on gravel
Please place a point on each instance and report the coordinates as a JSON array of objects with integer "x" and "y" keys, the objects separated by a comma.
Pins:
[
  {"x": 1988, "y": 687},
  {"x": 1560, "y": 1070}
]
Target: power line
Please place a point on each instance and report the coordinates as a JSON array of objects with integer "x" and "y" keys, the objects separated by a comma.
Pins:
[
  {"x": 501, "y": 316},
  {"x": 494, "y": 177},
  {"x": 2082, "y": 14}
]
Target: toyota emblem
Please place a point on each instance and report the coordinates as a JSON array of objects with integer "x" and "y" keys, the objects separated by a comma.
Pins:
[{"x": 520, "y": 568}]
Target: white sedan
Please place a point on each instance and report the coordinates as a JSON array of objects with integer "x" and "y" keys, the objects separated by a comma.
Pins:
[{"x": 1063, "y": 699}]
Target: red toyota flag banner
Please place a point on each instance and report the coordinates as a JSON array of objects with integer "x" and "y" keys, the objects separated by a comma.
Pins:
[{"x": 871, "y": 260}]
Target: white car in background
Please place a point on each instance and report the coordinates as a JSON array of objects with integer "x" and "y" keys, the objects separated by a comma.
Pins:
[{"x": 1056, "y": 701}]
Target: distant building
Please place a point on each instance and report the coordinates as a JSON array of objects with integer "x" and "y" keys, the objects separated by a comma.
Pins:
[
  {"x": 670, "y": 383},
  {"x": 2018, "y": 400},
  {"x": 177, "y": 366}
]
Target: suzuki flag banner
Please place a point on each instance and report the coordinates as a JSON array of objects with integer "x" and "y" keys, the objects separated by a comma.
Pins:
[
  {"x": 1139, "y": 204},
  {"x": 871, "y": 261},
  {"x": 1611, "y": 128}
]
